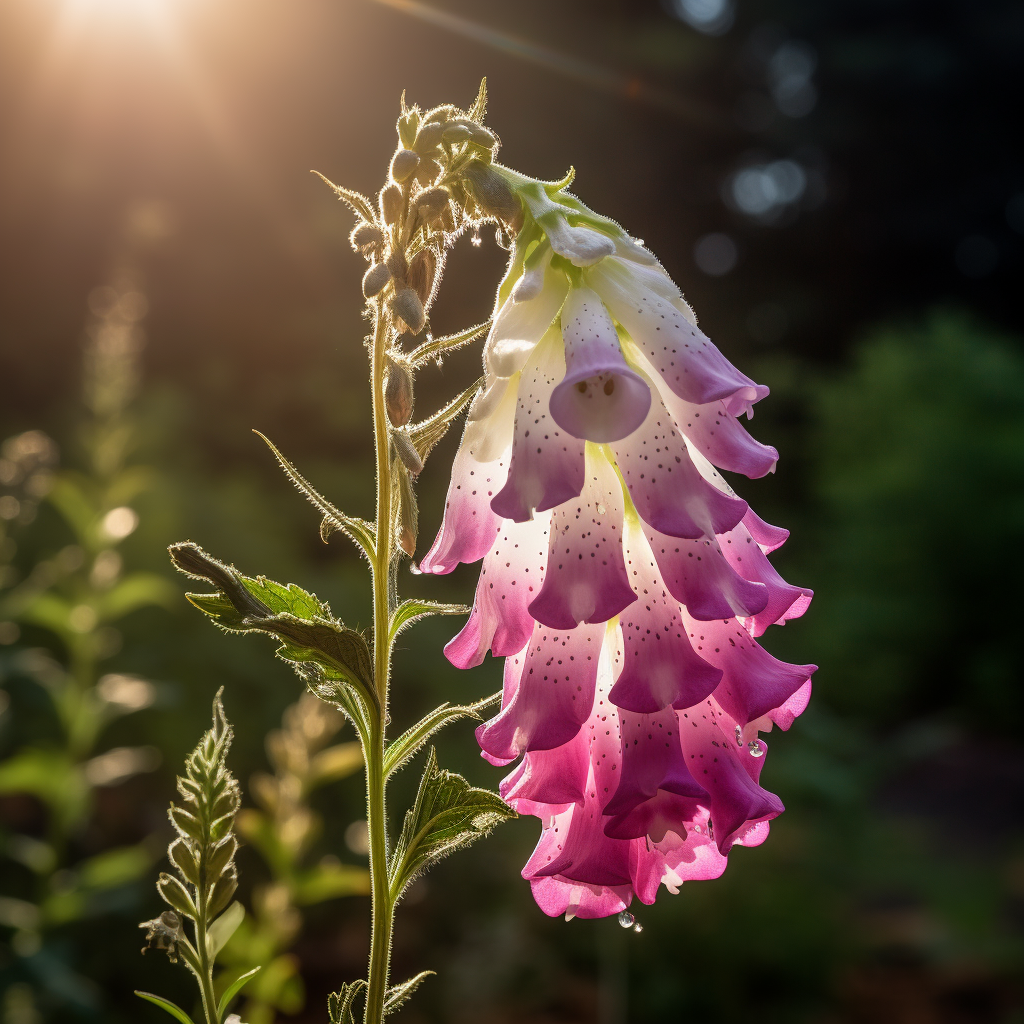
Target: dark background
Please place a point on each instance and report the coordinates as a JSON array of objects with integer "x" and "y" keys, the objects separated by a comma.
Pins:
[{"x": 838, "y": 189}]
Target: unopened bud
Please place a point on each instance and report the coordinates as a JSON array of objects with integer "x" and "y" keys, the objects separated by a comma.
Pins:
[
  {"x": 455, "y": 133},
  {"x": 477, "y": 132},
  {"x": 493, "y": 194},
  {"x": 421, "y": 274},
  {"x": 408, "y": 515},
  {"x": 439, "y": 114},
  {"x": 403, "y": 163},
  {"x": 366, "y": 238},
  {"x": 375, "y": 279},
  {"x": 391, "y": 204},
  {"x": 428, "y": 137},
  {"x": 398, "y": 392},
  {"x": 427, "y": 172},
  {"x": 406, "y": 305},
  {"x": 431, "y": 202},
  {"x": 406, "y": 451},
  {"x": 398, "y": 264}
]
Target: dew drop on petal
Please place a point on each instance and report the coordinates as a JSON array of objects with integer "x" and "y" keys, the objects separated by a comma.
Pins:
[
  {"x": 755, "y": 748},
  {"x": 415, "y": 569},
  {"x": 626, "y": 919},
  {"x": 638, "y": 928}
]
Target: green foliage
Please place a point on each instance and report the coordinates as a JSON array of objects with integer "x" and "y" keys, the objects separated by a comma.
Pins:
[
  {"x": 165, "y": 1004},
  {"x": 415, "y": 609},
  {"x": 401, "y": 994},
  {"x": 448, "y": 814},
  {"x": 340, "y": 1004},
  {"x": 400, "y": 750},
  {"x": 311, "y": 637}
]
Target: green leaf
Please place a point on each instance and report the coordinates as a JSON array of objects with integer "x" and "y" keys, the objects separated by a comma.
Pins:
[
  {"x": 415, "y": 609},
  {"x": 356, "y": 202},
  {"x": 359, "y": 530},
  {"x": 223, "y": 928},
  {"x": 437, "y": 347},
  {"x": 310, "y": 636},
  {"x": 339, "y": 1004},
  {"x": 175, "y": 894},
  {"x": 448, "y": 814},
  {"x": 399, "y": 994},
  {"x": 165, "y": 1004},
  {"x": 425, "y": 434},
  {"x": 479, "y": 108},
  {"x": 400, "y": 750},
  {"x": 233, "y": 989}
]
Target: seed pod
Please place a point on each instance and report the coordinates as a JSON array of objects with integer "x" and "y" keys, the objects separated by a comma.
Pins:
[
  {"x": 375, "y": 279},
  {"x": 493, "y": 194},
  {"x": 391, "y": 204},
  {"x": 428, "y": 137},
  {"x": 403, "y": 163},
  {"x": 406, "y": 451},
  {"x": 398, "y": 391},
  {"x": 406, "y": 305},
  {"x": 366, "y": 238},
  {"x": 421, "y": 274}
]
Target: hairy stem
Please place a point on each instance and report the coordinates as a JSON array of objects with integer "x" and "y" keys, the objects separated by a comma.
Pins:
[
  {"x": 205, "y": 973},
  {"x": 373, "y": 747}
]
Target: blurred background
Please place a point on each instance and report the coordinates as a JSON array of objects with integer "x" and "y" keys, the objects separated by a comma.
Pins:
[{"x": 839, "y": 190}]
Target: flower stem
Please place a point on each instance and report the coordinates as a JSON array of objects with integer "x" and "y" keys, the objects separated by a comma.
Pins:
[{"x": 382, "y": 912}]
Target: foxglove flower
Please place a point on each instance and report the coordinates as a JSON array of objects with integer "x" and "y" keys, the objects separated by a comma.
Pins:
[{"x": 622, "y": 579}]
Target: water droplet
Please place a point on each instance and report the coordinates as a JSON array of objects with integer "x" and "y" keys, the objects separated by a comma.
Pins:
[
  {"x": 601, "y": 510},
  {"x": 638, "y": 927},
  {"x": 755, "y": 748},
  {"x": 626, "y": 919},
  {"x": 476, "y": 237},
  {"x": 739, "y": 736},
  {"x": 415, "y": 569}
]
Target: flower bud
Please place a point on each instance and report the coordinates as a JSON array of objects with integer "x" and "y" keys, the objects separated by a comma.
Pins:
[
  {"x": 455, "y": 133},
  {"x": 427, "y": 172},
  {"x": 407, "y": 125},
  {"x": 375, "y": 279},
  {"x": 398, "y": 265},
  {"x": 398, "y": 391},
  {"x": 406, "y": 305},
  {"x": 428, "y": 137},
  {"x": 408, "y": 515},
  {"x": 391, "y": 204},
  {"x": 421, "y": 274},
  {"x": 493, "y": 194},
  {"x": 366, "y": 238},
  {"x": 406, "y": 451},
  {"x": 431, "y": 202},
  {"x": 403, "y": 163}
]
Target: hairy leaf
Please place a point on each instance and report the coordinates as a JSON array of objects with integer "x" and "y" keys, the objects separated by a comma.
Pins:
[
  {"x": 309, "y": 634},
  {"x": 414, "y": 609},
  {"x": 412, "y": 740},
  {"x": 428, "y": 432},
  {"x": 223, "y": 928},
  {"x": 176, "y": 895},
  {"x": 233, "y": 989},
  {"x": 437, "y": 347},
  {"x": 356, "y": 202},
  {"x": 339, "y": 1004},
  {"x": 358, "y": 530},
  {"x": 165, "y": 1004},
  {"x": 399, "y": 994},
  {"x": 448, "y": 814},
  {"x": 479, "y": 108}
]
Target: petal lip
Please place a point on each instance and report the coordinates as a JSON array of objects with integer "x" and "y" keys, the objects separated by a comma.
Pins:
[{"x": 575, "y": 410}]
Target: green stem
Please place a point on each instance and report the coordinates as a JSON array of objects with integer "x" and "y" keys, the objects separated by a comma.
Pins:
[
  {"x": 373, "y": 746},
  {"x": 205, "y": 973}
]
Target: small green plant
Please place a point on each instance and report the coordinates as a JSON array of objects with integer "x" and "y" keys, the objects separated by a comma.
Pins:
[
  {"x": 203, "y": 855},
  {"x": 284, "y": 830}
]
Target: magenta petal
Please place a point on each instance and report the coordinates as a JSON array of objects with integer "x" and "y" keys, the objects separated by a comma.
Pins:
[
  {"x": 510, "y": 578},
  {"x": 656, "y": 792},
  {"x": 555, "y": 693},
  {"x": 718, "y": 764},
  {"x": 660, "y": 667},
  {"x": 601, "y": 399},
  {"x": 469, "y": 527},
  {"x": 586, "y": 580},
  {"x": 788, "y": 712},
  {"x": 687, "y": 361},
  {"x": 548, "y": 781},
  {"x": 547, "y": 463},
  {"x": 785, "y": 601},
  {"x": 556, "y": 896},
  {"x": 753, "y": 682},
  {"x": 667, "y": 489},
  {"x": 721, "y": 439},
  {"x": 767, "y": 536},
  {"x": 698, "y": 575}
]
